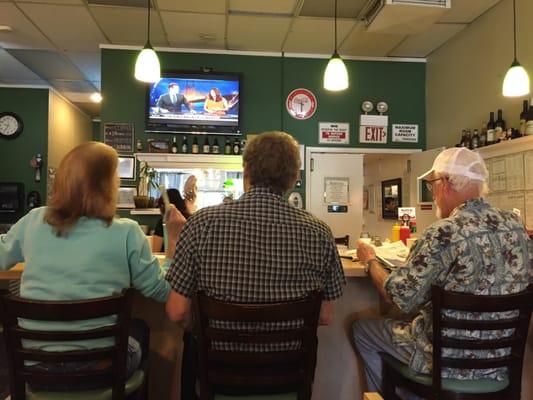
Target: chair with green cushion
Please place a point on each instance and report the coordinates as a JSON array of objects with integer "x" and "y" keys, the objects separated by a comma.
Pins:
[
  {"x": 113, "y": 359},
  {"x": 227, "y": 374},
  {"x": 396, "y": 374}
]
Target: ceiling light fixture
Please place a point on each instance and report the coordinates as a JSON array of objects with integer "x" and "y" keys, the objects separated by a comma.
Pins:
[
  {"x": 336, "y": 75},
  {"x": 147, "y": 68},
  {"x": 96, "y": 97},
  {"x": 516, "y": 81}
]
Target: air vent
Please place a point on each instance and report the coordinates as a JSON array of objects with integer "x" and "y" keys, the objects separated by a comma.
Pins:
[
  {"x": 120, "y": 3},
  {"x": 402, "y": 16}
]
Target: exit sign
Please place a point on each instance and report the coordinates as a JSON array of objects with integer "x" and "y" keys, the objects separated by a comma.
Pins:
[{"x": 373, "y": 129}]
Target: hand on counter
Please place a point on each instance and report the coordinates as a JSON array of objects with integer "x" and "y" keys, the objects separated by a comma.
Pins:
[{"x": 365, "y": 252}]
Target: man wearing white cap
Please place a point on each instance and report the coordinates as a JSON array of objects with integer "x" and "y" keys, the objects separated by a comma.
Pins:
[{"x": 473, "y": 248}]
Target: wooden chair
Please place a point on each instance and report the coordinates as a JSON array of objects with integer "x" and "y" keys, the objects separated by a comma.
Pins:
[
  {"x": 344, "y": 240},
  {"x": 112, "y": 373},
  {"x": 250, "y": 372},
  {"x": 397, "y": 374}
]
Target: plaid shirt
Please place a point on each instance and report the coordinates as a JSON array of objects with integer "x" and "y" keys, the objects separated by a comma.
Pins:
[
  {"x": 256, "y": 249},
  {"x": 479, "y": 249}
]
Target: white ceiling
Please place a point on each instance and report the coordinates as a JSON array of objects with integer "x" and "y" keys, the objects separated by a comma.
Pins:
[{"x": 56, "y": 42}]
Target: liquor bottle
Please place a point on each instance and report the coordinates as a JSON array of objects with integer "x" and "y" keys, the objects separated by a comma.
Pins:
[
  {"x": 483, "y": 135},
  {"x": 184, "y": 145},
  {"x": 462, "y": 143},
  {"x": 195, "y": 147},
  {"x": 236, "y": 147},
  {"x": 523, "y": 118},
  {"x": 174, "y": 148},
  {"x": 475, "y": 140},
  {"x": 499, "y": 127},
  {"x": 529, "y": 122},
  {"x": 227, "y": 147},
  {"x": 490, "y": 129},
  {"x": 139, "y": 145},
  {"x": 206, "y": 148},
  {"x": 468, "y": 143},
  {"x": 216, "y": 147}
]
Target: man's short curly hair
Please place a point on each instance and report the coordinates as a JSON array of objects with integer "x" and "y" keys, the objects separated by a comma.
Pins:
[{"x": 272, "y": 159}]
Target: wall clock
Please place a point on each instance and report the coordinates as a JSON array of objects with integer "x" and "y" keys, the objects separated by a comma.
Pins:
[
  {"x": 301, "y": 103},
  {"x": 10, "y": 125}
]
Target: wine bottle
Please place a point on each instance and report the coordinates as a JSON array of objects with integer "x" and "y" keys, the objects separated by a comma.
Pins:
[
  {"x": 206, "y": 148},
  {"x": 174, "y": 147},
  {"x": 227, "y": 147},
  {"x": 490, "y": 129},
  {"x": 184, "y": 145},
  {"x": 475, "y": 140},
  {"x": 462, "y": 143},
  {"x": 468, "y": 143},
  {"x": 529, "y": 122},
  {"x": 236, "y": 146},
  {"x": 500, "y": 133},
  {"x": 483, "y": 135},
  {"x": 523, "y": 118},
  {"x": 216, "y": 147},
  {"x": 195, "y": 148}
]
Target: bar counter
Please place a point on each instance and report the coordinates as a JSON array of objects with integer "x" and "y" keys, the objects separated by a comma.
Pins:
[{"x": 337, "y": 375}]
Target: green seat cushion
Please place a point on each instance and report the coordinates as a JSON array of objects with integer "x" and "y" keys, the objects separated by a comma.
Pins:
[
  {"x": 452, "y": 385},
  {"x": 132, "y": 385},
  {"x": 283, "y": 396}
]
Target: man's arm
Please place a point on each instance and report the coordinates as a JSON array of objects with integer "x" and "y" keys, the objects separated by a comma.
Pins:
[
  {"x": 178, "y": 308},
  {"x": 326, "y": 313},
  {"x": 378, "y": 274}
]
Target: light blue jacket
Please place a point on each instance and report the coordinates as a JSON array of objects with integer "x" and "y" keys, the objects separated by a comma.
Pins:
[{"x": 92, "y": 261}]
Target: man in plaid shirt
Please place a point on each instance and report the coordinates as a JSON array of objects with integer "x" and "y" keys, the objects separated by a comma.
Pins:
[{"x": 258, "y": 248}]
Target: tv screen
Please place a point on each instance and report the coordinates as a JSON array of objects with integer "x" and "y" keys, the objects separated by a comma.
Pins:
[{"x": 191, "y": 101}]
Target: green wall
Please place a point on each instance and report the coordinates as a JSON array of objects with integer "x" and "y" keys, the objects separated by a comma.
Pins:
[
  {"x": 15, "y": 155},
  {"x": 266, "y": 83}
]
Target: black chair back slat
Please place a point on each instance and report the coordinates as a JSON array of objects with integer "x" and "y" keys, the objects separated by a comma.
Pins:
[
  {"x": 508, "y": 323},
  {"x": 214, "y": 334},
  {"x": 15, "y": 308},
  {"x": 266, "y": 358},
  {"x": 476, "y": 363},
  {"x": 99, "y": 333},
  {"x": 479, "y": 344},
  {"x": 64, "y": 356},
  {"x": 483, "y": 303},
  {"x": 250, "y": 372}
]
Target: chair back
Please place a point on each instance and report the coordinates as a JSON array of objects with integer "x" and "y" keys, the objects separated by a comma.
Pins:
[
  {"x": 227, "y": 362},
  {"x": 112, "y": 373},
  {"x": 521, "y": 302}
]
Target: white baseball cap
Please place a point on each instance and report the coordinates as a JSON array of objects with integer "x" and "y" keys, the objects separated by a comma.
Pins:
[{"x": 458, "y": 161}]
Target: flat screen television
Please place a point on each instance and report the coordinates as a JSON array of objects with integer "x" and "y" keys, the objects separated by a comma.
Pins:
[{"x": 183, "y": 101}]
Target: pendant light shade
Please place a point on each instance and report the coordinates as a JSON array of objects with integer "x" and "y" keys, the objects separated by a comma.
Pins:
[
  {"x": 516, "y": 81},
  {"x": 336, "y": 74},
  {"x": 147, "y": 68}
]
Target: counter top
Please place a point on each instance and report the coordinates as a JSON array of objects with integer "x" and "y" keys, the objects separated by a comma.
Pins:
[{"x": 351, "y": 269}]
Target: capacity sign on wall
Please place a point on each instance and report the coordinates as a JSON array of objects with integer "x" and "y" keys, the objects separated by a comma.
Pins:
[
  {"x": 405, "y": 133},
  {"x": 334, "y": 132}
]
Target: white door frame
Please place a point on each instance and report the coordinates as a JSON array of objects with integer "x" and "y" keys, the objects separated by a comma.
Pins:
[{"x": 346, "y": 150}]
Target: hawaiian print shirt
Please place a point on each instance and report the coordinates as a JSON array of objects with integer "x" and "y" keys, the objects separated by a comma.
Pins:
[{"x": 478, "y": 249}]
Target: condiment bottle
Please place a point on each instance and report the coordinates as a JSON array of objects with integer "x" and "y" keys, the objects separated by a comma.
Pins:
[{"x": 395, "y": 232}]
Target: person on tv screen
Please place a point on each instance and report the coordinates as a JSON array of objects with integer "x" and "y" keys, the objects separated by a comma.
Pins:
[
  {"x": 173, "y": 100},
  {"x": 215, "y": 103}
]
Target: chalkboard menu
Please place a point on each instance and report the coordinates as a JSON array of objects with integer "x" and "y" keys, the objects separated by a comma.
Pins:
[{"x": 119, "y": 136}]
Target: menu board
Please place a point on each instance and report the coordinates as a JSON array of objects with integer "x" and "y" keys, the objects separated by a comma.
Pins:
[{"x": 119, "y": 136}]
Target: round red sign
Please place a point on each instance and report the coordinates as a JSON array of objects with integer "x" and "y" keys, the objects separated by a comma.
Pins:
[{"x": 301, "y": 103}]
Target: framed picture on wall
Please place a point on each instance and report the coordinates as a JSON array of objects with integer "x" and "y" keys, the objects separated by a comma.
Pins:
[
  {"x": 391, "y": 198},
  {"x": 126, "y": 167},
  {"x": 125, "y": 197}
]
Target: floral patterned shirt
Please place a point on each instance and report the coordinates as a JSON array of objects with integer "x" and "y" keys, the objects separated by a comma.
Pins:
[{"x": 478, "y": 249}]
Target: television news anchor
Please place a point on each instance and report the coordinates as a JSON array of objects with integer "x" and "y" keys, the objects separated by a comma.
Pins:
[
  {"x": 76, "y": 249},
  {"x": 173, "y": 100}
]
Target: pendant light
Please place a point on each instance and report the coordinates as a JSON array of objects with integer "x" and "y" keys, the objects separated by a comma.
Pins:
[
  {"x": 336, "y": 75},
  {"x": 516, "y": 82},
  {"x": 147, "y": 68}
]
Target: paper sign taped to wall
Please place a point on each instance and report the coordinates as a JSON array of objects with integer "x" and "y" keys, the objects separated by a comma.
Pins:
[{"x": 405, "y": 133}]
